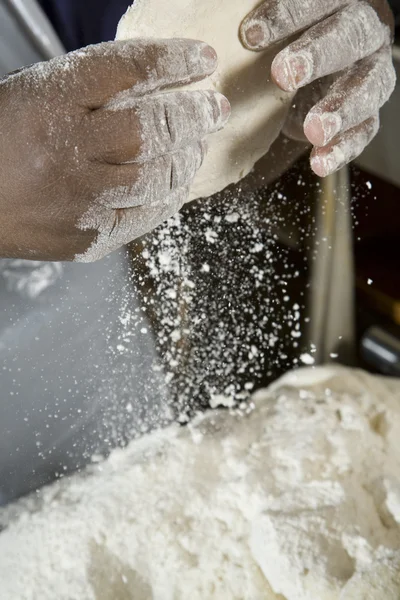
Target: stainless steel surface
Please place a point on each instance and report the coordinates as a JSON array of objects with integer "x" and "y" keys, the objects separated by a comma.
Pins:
[
  {"x": 69, "y": 368},
  {"x": 381, "y": 350},
  {"x": 26, "y": 36},
  {"x": 42, "y": 35}
]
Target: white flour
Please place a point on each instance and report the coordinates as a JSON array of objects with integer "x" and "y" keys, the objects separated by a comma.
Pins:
[{"x": 300, "y": 498}]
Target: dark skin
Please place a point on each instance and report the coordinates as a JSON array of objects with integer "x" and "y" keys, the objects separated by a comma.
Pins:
[
  {"x": 62, "y": 150},
  {"x": 337, "y": 57}
]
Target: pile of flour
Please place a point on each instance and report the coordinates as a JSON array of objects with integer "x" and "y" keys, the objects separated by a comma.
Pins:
[{"x": 298, "y": 499}]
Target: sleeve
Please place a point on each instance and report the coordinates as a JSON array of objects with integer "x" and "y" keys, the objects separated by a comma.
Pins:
[
  {"x": 83, "y": 22},
  {"x": 395, "y": 6}
]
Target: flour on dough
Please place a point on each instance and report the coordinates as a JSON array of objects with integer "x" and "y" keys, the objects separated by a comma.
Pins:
[{"x": 259, "y": 108}]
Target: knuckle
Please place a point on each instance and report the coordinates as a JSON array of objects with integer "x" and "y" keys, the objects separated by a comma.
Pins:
[
  {"x": 291, "y": 12},
  {"x": 186, "y": 63},
  {"x": 164, "y": 123},
  {"x": 383, "y": 76},
  {"x": 175, "y": 171}
]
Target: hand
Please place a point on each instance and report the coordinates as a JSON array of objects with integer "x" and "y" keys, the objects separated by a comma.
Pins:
[
  {"x": 91, "y": 156},
  {"x": 343, "y": 55}
]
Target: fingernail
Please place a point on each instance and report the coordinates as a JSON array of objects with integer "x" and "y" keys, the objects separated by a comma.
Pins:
[
  {"x": 329, "y": 163},
  {"x": 225, "y": 107},
  {"x": 331, "y": 125},
  {"x": 292, "y": 72},
  {"x": 255, "y": 35},
  {"x": 319, "y": 166},
  {"x": 321, "y": 129},
  {"x": 209, "y": 58}
]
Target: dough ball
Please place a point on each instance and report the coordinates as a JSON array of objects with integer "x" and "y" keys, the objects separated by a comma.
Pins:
[{"x": 259, "y": 108}]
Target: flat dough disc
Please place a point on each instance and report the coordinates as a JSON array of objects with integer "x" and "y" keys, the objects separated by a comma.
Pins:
[{"x": 259, "y": 108}]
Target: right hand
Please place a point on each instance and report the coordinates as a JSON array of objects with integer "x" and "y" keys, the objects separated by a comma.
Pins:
[
  {"x": 337, "y": 56},
  {"x": 92, "y": 154}
]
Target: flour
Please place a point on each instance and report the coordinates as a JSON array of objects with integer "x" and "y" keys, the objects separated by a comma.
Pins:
[
  {"x": 298, "y": 498},
  {"x": 115, "y": 230},
  {"x": 216, "y": 304},
  {"x": 259, "y": 108}
]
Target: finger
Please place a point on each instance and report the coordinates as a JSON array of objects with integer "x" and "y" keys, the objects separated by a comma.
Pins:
[
  {"x": 120, "y": 227},
  {"x": 132, "y": 130},
  {"x": 152, "y": 182},
  {"x": 344, "y": 148},
  {"x": 305, "y": 99},
  {"x": 331, "y": 46},
  {"x": 141, "y": 65},
  {"x": 355, "y": 97},
  {"x": 276, "y": 20}
]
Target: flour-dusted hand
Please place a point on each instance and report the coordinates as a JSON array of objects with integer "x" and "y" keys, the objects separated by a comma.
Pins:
[
  {"x": 341, "y": 63},
  {"x": 92, "y": 154}
]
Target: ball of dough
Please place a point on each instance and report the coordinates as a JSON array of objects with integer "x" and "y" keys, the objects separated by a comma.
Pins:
[{"x": 259, "y": 108}]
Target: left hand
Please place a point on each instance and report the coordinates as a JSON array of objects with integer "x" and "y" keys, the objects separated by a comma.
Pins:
[{"x": 341, "y": 63}]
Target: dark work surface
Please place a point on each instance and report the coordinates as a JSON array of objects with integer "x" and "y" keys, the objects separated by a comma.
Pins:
[
  {"x": 395, "y": 4},
  {"x": 376, "y": 213}
]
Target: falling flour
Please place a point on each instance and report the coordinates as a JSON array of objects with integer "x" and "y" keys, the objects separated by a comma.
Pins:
[{"x": 298, "y": 500}]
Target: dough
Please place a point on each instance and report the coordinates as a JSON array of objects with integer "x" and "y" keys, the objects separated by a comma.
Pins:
[{"x": 258, "y": 107}]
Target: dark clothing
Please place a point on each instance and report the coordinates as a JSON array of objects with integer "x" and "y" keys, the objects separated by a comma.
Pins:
[
  {"x": 83, "y": 22},
  {"x": 395, "y": 4}
]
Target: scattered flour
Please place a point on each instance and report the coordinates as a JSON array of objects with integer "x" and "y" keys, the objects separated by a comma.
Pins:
[{"x": 298, "y": 500}]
